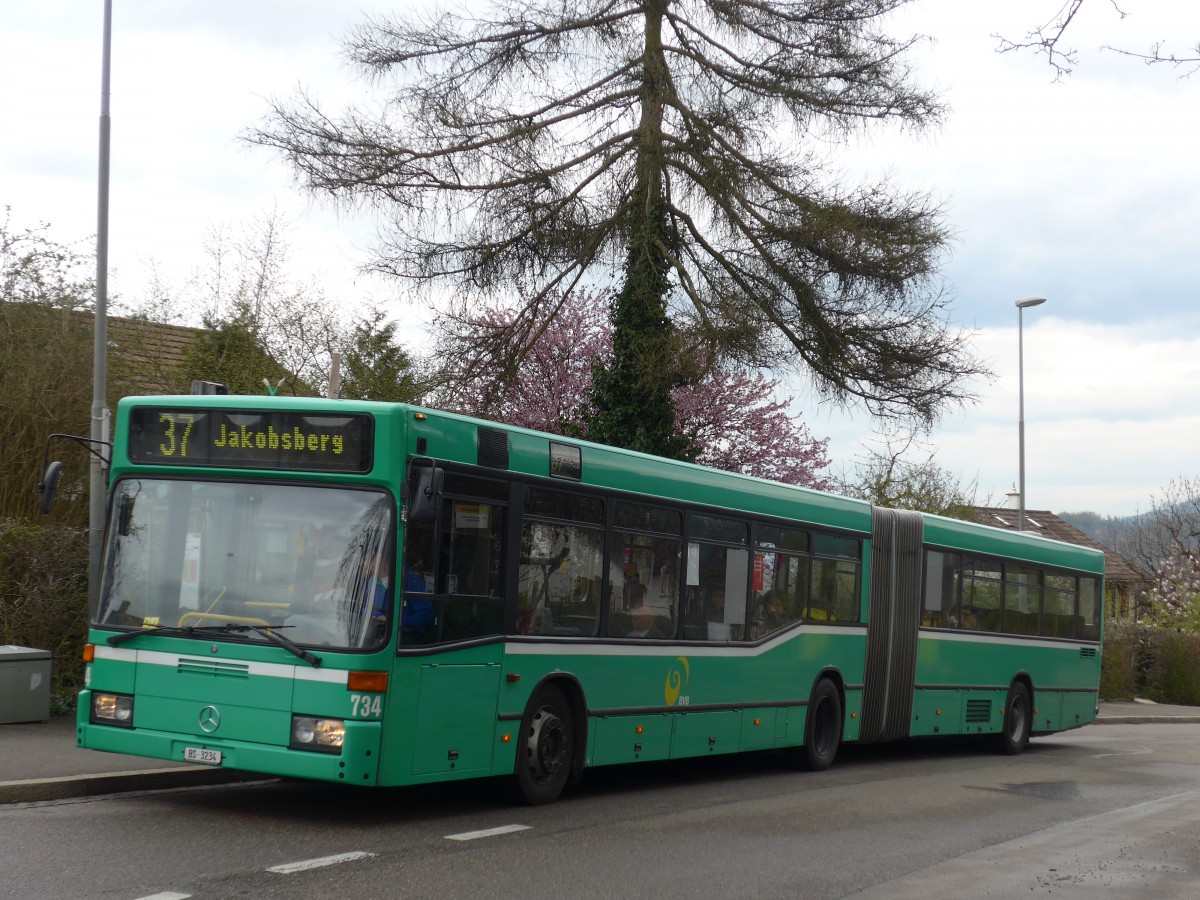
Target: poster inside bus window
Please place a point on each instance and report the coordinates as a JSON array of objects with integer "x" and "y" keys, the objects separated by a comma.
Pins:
[{"x": 251, "y": 440}]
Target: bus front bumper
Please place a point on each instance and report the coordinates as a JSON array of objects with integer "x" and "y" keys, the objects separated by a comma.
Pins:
[{"x": 356, "y": 763}]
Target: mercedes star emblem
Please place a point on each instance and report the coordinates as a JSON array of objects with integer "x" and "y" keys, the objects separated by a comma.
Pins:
[{"x": 210, "y": 719}]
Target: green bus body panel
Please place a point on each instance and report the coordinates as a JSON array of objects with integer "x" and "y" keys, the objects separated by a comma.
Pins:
[
  {"x": 1055, "y": 669},
  {"x": 256, "y": 690},
  {"x": 455, "y": 711},
  {"x": 617, "y": 739},
  {"x": 455, "y": 720},
  {"x": 670, "y": 692}
]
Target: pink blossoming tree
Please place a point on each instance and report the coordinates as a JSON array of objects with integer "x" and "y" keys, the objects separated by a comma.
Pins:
[{"x": 731, "y": 416}]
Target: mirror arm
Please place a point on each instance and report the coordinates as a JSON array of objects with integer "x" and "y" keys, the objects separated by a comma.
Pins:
[{"x": 85, "y": 443}]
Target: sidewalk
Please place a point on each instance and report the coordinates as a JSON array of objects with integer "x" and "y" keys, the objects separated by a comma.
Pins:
[
  {"x": 1145, "y": 712},
  {"x": 39, "y": 760}
]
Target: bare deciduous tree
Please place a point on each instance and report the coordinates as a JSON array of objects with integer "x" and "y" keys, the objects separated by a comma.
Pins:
[
  {"x": 1047, "y": 40},
  {"x": 900, "y": 473}
]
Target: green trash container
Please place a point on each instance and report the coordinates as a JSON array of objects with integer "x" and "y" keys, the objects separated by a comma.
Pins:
[{"x": 24, "y": 684}]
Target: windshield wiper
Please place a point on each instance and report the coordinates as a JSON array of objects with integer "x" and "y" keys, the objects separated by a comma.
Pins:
[
  {"x": 269, "y": 632},
  {"x": 228, "y": 628},
  {"x": 115, "y": 639}
]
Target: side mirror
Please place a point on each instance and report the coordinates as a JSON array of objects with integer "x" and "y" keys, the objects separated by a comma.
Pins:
[
  {"x": 426, "y": 498},
  {"x": 47, "y": 487}
]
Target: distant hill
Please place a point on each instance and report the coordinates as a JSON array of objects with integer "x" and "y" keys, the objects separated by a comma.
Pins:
[{"x": 1111, "y": 531}]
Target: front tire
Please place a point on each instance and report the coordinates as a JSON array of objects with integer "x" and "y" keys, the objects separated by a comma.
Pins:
[
  {"x": 1018, "y": 721},
  {"x": 822, "y": 727},
  {"x": 546, "y": 747}
]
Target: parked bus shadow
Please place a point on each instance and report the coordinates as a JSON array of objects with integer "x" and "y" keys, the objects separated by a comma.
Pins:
[{"x": 345, "y": 805}]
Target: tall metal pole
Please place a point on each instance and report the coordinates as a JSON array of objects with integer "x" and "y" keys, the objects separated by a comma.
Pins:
[
  {"x": 1021, "y": 305},
  {"x": 100, "y": 426}
]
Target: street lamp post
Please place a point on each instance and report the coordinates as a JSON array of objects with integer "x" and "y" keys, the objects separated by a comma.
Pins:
[
  {"x": 1022, "y": 305},
  {"x": 98, "y": 482}
]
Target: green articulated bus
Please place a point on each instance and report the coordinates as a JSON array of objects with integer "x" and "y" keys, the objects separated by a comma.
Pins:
[{"x": 379, "y": 594}]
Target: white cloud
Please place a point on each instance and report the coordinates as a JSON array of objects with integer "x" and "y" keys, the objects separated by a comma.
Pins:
[{"x": 1111, "y": 416}]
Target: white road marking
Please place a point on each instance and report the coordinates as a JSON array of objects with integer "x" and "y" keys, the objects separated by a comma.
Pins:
[
  {"x": 165, "y": 895},
  {"x": 305, "y": 864},
  {"x": 487, "y": 832},
  {"x": 1122, "y": 753}
]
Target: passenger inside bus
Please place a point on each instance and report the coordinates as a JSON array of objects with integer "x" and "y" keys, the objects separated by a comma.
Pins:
[
  {"x": 416, "y": 613},
  {"x": 649, "y": 622}
]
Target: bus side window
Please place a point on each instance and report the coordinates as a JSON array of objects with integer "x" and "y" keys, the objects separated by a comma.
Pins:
[
  {"x": 940, "y": 608},
  {"x": 716, "y": 594},
  {"x": 834, "y": 594},
  {"x": 643, "y": 577},
  {"x": 1089, "y": 609},
  {"x": 453, "y": 568},
  {"x": 780, "y": 600},
  {"x": 835, "y": 581},
  {"x": 558, "y": 579}
]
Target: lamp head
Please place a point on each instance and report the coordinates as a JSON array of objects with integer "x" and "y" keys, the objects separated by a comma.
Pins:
[{"x": 1030, "y": 301}]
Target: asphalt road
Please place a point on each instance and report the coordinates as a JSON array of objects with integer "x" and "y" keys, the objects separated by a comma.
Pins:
[{"x": 1106, "y": 809}]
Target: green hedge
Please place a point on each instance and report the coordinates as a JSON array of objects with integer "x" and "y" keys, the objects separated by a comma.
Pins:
[
  {"x": 43, "y": 599},
  {"x": 1158, "y": 664}
]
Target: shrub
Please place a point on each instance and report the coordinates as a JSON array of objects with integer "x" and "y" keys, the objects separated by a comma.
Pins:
[
  {"x": 43, "y": 598},
  {"x": 1118, "y": 672},
  {"x": 1147, "y": 661}
]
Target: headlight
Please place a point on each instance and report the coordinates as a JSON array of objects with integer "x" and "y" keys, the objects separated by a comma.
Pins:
[
  {"x": 326, "y": 735},
  {"x": 112, "y": 709}
]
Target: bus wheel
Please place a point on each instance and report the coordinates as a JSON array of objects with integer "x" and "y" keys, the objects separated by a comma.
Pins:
[
  {"x": 1018, "y": 718},
  {"x": 546, "y": 747},
  {"x": 822, "y": 727}
]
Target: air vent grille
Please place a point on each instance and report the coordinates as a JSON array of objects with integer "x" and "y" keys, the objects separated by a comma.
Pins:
[
  {"x": 493, "y": 447},
  {"x": 979, "y": 712},
  {"x": 214, "y": 667}
]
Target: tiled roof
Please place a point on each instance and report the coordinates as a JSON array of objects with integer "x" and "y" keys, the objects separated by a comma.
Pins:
[
  {"x": 151, "y": 353},
  {"x": 1041, "y": 521}
]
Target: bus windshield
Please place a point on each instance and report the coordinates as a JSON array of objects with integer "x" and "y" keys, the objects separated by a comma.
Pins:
[{"x": 206, "y": 554}]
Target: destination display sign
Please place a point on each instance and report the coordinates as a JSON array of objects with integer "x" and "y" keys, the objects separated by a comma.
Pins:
[{"x": 310, "y": 442}]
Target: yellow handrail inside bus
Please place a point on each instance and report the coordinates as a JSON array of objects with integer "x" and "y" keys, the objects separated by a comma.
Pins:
[{"x": 189, "y": 618}]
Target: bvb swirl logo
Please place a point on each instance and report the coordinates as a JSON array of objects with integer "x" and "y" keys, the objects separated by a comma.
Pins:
[{"x": 677, "y": 679}]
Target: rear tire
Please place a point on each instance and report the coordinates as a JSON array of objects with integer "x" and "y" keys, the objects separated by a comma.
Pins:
[
  {"x": 545, "y": 747},
  {"x": 1018, "y": 721},
  {"x": 822, "y": 727}
]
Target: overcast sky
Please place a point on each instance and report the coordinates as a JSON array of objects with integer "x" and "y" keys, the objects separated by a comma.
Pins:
[{"x": 1085, "y": 192}]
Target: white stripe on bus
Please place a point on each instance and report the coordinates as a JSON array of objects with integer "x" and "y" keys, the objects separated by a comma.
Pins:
[
  {"x": 551, "y": 647},
  {"x": 172, "y": 660}
]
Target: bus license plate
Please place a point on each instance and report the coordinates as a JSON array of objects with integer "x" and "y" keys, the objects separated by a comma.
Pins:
[{"x": 202, "y": 755}]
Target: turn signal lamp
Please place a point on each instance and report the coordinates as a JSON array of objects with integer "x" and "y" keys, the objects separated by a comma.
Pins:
[
  {"x": 367, "y": 682},
  {"x": 89, "y": 652}
]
